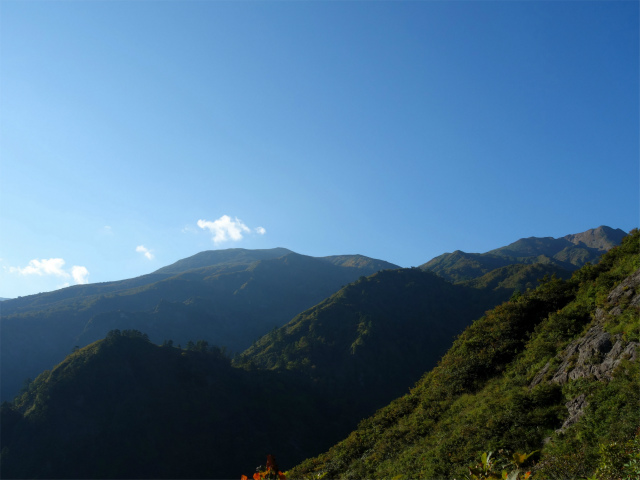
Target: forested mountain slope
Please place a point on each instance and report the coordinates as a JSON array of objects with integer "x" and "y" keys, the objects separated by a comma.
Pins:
[
  {"x": 569, "y": 253},
  {"x": 366, "y": 344},
  {"x": 229, "y": 303},
  {"x": 125, "y": 408},
  {"x": 555, "y": 371}
]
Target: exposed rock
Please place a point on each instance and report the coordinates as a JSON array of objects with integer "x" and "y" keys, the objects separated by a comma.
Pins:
[
  {"x": 597, "y": 353},
  {"x": 627, "y": 288},
  {"x": 593, "y": 354},
  {"x": 603, "y": 238},
  {"x": 576, "y": 411}
]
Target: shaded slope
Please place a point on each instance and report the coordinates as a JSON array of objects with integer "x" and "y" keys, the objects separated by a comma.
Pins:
[
  {"x": 366, "y": 265},
  {"x": 482, "y": 395},
  {"x": 223, "y": 258},
  {"x": 228, "y": 304},
  {"x": 367, "y": 343},
  {"x": 125, "y": 408}
]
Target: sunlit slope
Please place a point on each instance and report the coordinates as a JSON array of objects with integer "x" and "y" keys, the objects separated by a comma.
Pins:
[
  {"x": 569, "y": 253},
  {"x": 510, "y": 380}
]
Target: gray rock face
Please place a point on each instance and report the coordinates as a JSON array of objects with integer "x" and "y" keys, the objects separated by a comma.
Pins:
[
  {"x": 597, "y": 353},
  {"x": 576, "y": 411},
  {"x": 627, "y": 288}
]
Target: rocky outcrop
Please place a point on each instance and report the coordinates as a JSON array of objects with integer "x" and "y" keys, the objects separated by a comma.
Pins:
[
  {"x": 602, "y": 238},
  {"x": 597, "y": 353}
]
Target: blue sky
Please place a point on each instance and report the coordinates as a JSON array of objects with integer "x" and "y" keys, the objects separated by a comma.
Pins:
[{"x": 136, "y": 133}]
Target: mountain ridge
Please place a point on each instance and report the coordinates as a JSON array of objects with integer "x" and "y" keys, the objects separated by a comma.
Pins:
[
  {"x": 554, "y": 371},
  {"x": 125, "y": 408},
  {"x": 230, "y": 303},
  {"x": 569, "y": 252}
]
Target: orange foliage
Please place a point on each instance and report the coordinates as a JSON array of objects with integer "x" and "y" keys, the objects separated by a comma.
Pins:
[{"x": 271, "y": 471}]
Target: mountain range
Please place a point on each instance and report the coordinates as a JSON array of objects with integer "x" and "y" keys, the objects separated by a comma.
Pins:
[
  {"x": 125, "y": 407},
  {"x": 229, "y": 298},
  {"x": 233, "y": 297},
  {"x": 569, "y": 253}
]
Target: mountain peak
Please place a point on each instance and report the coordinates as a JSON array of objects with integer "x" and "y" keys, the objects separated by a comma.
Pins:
[
  {"x": 602, "y": 238},
  {"x": 229, "y": 256},
  {"x": 568, "y": 252}
]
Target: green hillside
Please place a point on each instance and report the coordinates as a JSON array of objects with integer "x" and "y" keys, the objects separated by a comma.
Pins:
[
  {"x": 331, "y": 366},
  {"x": 125, "y": 408},
  {"x": 227, "y": 258},
  {"x": 229, "y": 303},
  {"x": 520, "y": 277},
  {"x": 554, "y": 371},
  {"x": 371, "y": 340},
  {"x": 569, "y": 253}
]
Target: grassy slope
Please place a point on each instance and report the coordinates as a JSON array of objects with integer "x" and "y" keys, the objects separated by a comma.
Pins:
[{"x": 478, "y": 397}]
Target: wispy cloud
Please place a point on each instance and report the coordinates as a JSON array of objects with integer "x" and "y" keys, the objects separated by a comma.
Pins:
[
  {"x": 54, "y": 267},
  {"x": 189, "y": 229},
  {"x": 260, "y": 230},
  {"x": 147, "y": 253}
]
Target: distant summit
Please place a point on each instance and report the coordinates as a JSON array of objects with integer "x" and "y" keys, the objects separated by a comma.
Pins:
[
  {"x": 228, "y": 257},
  {"x": 602, "y": 238},
  {"x": 569, "y": 253},
  {"x": 226, "y": 297}
]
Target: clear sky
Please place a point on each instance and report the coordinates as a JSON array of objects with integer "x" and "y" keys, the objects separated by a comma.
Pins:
[{"x": 137, "y": 133}]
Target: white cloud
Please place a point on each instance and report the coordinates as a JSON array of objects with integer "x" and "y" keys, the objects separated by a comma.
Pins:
[
  {"x": 260, "y": 230},
  {"x": 225, "y": 229},
  {"x": 145, "y": 250},
  {"x": 53, "y": 266},
  {"x": 80, "y": 274}
]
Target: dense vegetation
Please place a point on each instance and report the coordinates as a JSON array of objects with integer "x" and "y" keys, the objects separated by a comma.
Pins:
[
  {"x": 535, "y": 374},
  {"x": 567, "y": 253},
  {"x": 126, "y": 408},
  {"x": 371, "y": 340},
  {"x": 229, "y": 298},
  {"x": 482, "y": 395}
]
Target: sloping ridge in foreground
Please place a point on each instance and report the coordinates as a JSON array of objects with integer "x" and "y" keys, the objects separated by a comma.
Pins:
[{"x": 554, "y": 371}]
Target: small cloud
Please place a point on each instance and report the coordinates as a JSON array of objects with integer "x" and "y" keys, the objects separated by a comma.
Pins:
[
  {"x": 107, "y": 230},
  {"x": 53, "y": 266},
  {"x": 145, "y": 250},
  {"x": 225, "y": 229},
  {"x": 80, "y": 274},
  {"x": 260, "y": 230}
]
